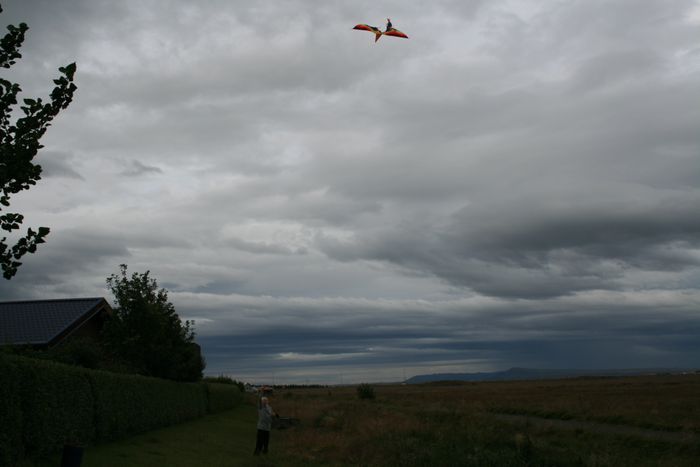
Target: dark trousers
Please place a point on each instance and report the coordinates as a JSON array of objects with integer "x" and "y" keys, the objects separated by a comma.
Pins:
[{"x": 262, "y": 441}]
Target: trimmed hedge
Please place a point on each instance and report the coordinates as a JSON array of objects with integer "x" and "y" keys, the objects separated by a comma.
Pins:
[
  {"x": 222, "y": 397},
  {"x": 44, "y": 405},
  {"x": 57, "y": 406},
  {"x": 11, "y": 427},
  {"x": 126, "y": 404}
]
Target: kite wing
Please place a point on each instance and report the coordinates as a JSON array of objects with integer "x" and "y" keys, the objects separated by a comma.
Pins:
[
  {"x": 395, "y": 33},
  {"x": 365, "y": 27},
  {"x": 379, "y": 33},
  {"x": 372, "y": 29}
]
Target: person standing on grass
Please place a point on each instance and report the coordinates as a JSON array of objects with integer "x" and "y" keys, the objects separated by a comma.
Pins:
[{"x": 265, "y": 414}]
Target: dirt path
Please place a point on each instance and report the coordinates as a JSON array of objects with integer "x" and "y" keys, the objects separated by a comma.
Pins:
[{"x": 602, "y": 428}]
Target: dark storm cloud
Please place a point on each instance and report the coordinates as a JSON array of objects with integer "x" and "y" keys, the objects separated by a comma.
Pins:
[
  {"x": 530, "y": 248},
  {"x": 539, "y": 333},
  {"x": 57, "y": 164},
  {"x": 514, "y": 185},
  {"x": 55, "y": 269},
  {"x": 76, "y": 261},
  {"x": 136, "y": 168}
]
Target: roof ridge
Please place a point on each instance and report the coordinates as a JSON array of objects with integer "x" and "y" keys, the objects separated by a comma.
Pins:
[
  {"x": 44, "y": 322},
  {"x": 53, "y": 300}
]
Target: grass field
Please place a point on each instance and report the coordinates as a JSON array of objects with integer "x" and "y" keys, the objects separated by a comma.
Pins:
[
  {"x": 459, "y": 424},
  {"x": 468, "y": 424},
  {"x": 223, "y": 439}
]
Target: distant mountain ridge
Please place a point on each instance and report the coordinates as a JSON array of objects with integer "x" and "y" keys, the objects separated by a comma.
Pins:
[{"x": 514, "y": 374}]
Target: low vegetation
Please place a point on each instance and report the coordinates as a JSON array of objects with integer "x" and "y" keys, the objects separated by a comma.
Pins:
[
  {"x": 442, "y": 424},
  {"x": 365, "y": 391},
  {"x": 459, "y": 424},
  {"x": 44, "y": 405},
  {"x": 222, "y": 439},
  {"x": 222, "y": 379}
]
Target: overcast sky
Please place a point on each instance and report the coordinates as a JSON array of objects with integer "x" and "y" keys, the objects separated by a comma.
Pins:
[{"x": 517, "y": 184}]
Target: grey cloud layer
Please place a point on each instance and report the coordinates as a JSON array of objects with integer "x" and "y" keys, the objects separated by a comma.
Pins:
[
  {"x": 543, "y": 247},
  {"x": 354, "y": 336},
  {"x": 526, "y": 151}
]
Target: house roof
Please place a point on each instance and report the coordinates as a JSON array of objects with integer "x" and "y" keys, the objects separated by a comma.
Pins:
[{"x": 43, "y": 322}]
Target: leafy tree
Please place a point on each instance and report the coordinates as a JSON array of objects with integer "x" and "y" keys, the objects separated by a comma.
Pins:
[
  {"x": 19, "y": 143},
  {"x": 146, "y": 333}
]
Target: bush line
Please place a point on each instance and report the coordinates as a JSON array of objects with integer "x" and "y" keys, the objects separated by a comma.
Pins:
[{"x": 44, "y": 405}]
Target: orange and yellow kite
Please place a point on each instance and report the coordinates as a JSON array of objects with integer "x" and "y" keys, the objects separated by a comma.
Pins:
[{"x": 390, "y": 31}]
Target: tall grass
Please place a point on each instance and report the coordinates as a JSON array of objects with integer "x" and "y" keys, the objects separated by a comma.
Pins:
[
  {"x": 454, "y": 425},
  {"x": 428, "y": 425}
]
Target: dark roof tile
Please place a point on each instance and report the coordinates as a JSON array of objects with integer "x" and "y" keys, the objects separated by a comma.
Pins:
[{"x": 40, "y": 321}]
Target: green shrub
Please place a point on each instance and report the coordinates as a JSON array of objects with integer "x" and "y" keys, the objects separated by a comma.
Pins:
[
  {"x": 85, "y": 352},
  {"x": 365, "y": 391},
  {"x": 57, "y": 405},
  {"x": 46, "y": 404},
  {"x": 221, "y": 379},
  {"x": 43, "y": 405},
  {"x": 128, "y": 404},
  {"x": 11, "y": 444},
  {"x": 222, "y": 396}
]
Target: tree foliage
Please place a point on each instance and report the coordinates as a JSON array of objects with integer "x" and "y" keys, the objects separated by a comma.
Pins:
[
  {"x": 19, "y": 143},
  {"x": 145, "y": 331}
]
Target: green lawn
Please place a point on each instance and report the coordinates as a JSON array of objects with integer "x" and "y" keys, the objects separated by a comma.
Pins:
[{"x": 223, "y": 439}]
